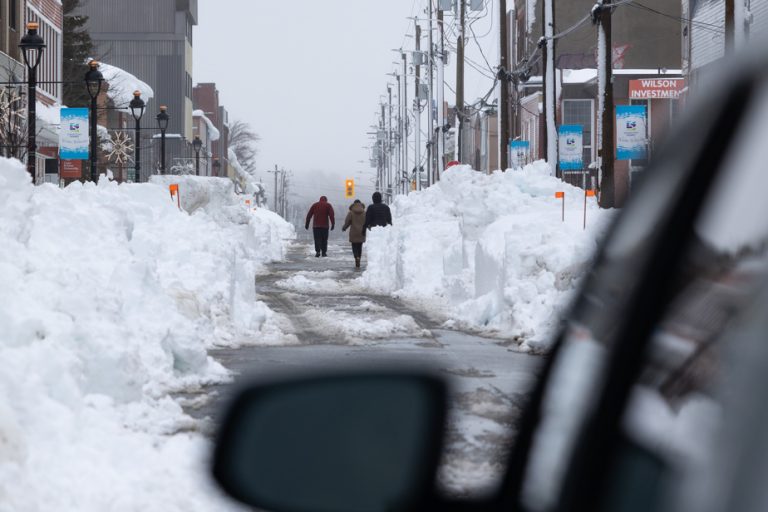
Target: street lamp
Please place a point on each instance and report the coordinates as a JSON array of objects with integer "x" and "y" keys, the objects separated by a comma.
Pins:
[
  {"x": 32, "y": 46},
  {"x": 137, "y": 110},
  {"x": 93, "y": 82},
  {"x": 162, "y": 122},
  {"x": 197, "y": 144}
]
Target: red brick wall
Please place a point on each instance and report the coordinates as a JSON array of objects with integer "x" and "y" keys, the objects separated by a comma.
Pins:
[{"x": 51, "y": 9}]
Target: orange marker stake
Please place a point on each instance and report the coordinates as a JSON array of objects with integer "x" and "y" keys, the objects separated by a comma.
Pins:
[
  {"x": 174, "y": 189},
  {"x": 587, "y": 193},
  {"x": 561, "y": 195}
]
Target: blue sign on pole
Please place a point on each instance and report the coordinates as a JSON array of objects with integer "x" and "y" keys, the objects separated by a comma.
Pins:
[
  {"x": 631, "y": 132},
  {"x": 518, "y": 152},
  {"x": 571, "y": 146},
  {"x": 73, "y": 134}
]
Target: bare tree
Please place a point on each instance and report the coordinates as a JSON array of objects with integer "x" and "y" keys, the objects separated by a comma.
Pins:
[{"x": 243, "y": 140}]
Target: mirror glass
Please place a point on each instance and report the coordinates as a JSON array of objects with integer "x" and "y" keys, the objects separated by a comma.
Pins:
[{"x": 364, "y": 443}]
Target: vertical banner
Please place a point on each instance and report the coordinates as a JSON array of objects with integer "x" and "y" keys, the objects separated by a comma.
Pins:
[
  {"x": 631, "y": 133},
  {"x": 571, "y": 145},
  {"x": 518, "y": 153},
  {"x": 73, "y": 134}
]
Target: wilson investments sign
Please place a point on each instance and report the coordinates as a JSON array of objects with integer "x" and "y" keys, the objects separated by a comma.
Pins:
[{"x": 656, "y": 88}]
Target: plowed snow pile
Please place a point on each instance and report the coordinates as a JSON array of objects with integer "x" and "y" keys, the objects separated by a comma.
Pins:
[
  {"x": 493, "y": 250},
  {"x": 110, "y": 297}
]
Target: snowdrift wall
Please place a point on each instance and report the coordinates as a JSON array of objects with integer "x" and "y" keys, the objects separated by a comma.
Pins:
[
  {"x": 493, "y": 248},
  {"x": 110, "y": 297}
]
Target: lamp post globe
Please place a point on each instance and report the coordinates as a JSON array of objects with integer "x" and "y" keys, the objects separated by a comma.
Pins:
[
  {"x": 197, "y": 144},
  {"x": 32, "y": 47},
  {"x": 137, "y": 107},
  {"x": 93, "y": 83},
  {"x": 162, "y": 123}
]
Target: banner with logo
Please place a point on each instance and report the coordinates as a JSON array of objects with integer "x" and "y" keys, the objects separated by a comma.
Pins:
[
  {"x": 73, "y": 134},
  {"x": 631, "y": 133},
  {"x": 571, "y": 147},
  {"x": 518, "y": 153}
]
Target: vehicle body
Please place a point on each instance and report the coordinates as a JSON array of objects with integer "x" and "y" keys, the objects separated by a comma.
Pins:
[{"x": 654, "y": 362}]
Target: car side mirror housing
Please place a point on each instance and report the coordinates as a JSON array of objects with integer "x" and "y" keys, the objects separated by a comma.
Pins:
[{"x": 342, "y": 442}]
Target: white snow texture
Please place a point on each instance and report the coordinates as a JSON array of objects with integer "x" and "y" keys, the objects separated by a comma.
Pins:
[
  {"x": 492, "y": 248},
  {"x": 110, "y": 297}
]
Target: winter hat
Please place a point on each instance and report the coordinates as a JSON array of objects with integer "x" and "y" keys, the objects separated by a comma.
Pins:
[{"x": 377, "y": 197}]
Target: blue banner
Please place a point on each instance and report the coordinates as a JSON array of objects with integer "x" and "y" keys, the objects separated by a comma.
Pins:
[
  {"x": 571, "y": 147},
  {"x": 73, "y": 134},
  {"x": 631, "y": 132},
  {"x": 518, "y": 152}
]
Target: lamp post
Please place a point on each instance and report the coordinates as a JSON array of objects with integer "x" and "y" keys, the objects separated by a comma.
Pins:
[
  {"x": 162, "y": 122},
  {"x": 93, "y": 82},
  {"x": 198, "y": 145},
  {"x": 32, "y": 46},
  {"x": 137, "y": 110}
]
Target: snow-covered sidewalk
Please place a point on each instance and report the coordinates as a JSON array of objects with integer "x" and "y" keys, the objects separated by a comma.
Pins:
[
  {"x": 110, "y": 298},
  {"x": 491, "y": 252}
]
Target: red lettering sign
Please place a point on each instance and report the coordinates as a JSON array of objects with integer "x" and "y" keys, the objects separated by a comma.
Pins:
[
  {"x": 71, "y": 169},
  {"x": 656, "y": 88}
]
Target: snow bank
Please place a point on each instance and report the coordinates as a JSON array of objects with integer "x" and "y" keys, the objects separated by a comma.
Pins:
[
  {"x": 213, "y": 132},
  {"x": 110, "y": 297},
  {"x": 492, "y": 248},
  {"x": 122, "y": 85}
]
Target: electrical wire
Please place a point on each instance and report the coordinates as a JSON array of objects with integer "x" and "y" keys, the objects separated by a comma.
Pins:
[{"x": 700, "y": 24}]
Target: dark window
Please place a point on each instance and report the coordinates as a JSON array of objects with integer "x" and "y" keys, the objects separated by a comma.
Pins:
[{"x": 13, "y": 14}]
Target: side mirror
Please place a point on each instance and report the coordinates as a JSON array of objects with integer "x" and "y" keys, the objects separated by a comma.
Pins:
[{"x": 344, "y": 442}]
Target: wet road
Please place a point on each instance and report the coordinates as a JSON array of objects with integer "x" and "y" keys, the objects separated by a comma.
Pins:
[{"x": 329, "y": 320}]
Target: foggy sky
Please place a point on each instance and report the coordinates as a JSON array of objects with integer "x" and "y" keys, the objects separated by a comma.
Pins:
[{"x": 308, "y": 75}]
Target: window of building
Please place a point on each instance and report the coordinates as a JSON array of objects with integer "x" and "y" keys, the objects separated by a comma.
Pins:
[
  {"x": 582, "y": 112},
  {"x": 13, "y": 14},
  {"x": 647, "y": 104},
  {"x": 189, "y": 30},
  {"x": 49, "y": 71}
]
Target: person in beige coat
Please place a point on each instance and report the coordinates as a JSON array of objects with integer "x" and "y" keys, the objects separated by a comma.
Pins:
[{"x": 354, "y": 222}]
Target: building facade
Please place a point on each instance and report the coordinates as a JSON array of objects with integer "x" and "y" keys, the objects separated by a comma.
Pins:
[
  {"x": 645, "y": 50},
  {"x": 206, "y": 99},
  {"x": 153, "y": 40},
  {"x": 704, "y": 34}
]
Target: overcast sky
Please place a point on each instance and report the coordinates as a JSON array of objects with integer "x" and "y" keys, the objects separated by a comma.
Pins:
[{"x": 307, "y": 76}]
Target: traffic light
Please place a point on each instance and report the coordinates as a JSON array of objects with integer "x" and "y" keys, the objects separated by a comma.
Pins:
[{"x": 349, "y": 189}]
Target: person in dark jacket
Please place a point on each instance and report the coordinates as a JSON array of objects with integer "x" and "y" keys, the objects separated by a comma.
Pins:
[
  {"x": 354, "y": 221},
  {"x": 322, "y": 211},
  {"x": 378, "y": 214}
]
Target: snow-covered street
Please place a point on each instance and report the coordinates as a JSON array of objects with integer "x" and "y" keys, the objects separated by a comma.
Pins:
[{"x": 330, "y": 320}]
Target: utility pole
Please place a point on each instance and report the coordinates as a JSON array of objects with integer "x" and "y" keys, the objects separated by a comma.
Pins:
[
  {"x": 503, "y": 87},
  {"x": 440, "y": 98},
  {"x": 605, "y": 104},
  {"x": 389, "y": 144},
  {"x": 382, "y": 145},
  {"x": 275, "y": 200},
  {"x": 460, "y": 79},
  {"x": 730, "y": 26},
  {"x": 430, "y": 101},
  {"x": 404, "y": 138},
  {"x": 399, "y": 166},
  {"x": 417, "y": 109},
  {"x": 550, "y": 95}
]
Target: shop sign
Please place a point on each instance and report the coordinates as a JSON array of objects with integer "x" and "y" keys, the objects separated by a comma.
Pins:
[
  {"x": 656, "y": 88},
  {"x": 631, "y": 132},
  {"x": 571, "y": 146}
]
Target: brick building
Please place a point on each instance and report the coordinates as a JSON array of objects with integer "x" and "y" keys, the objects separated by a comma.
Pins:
[{"x": 206, "y": 99}]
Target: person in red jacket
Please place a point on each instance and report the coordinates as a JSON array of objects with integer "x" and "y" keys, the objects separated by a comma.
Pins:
[{"x": 322, "y": 211}]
